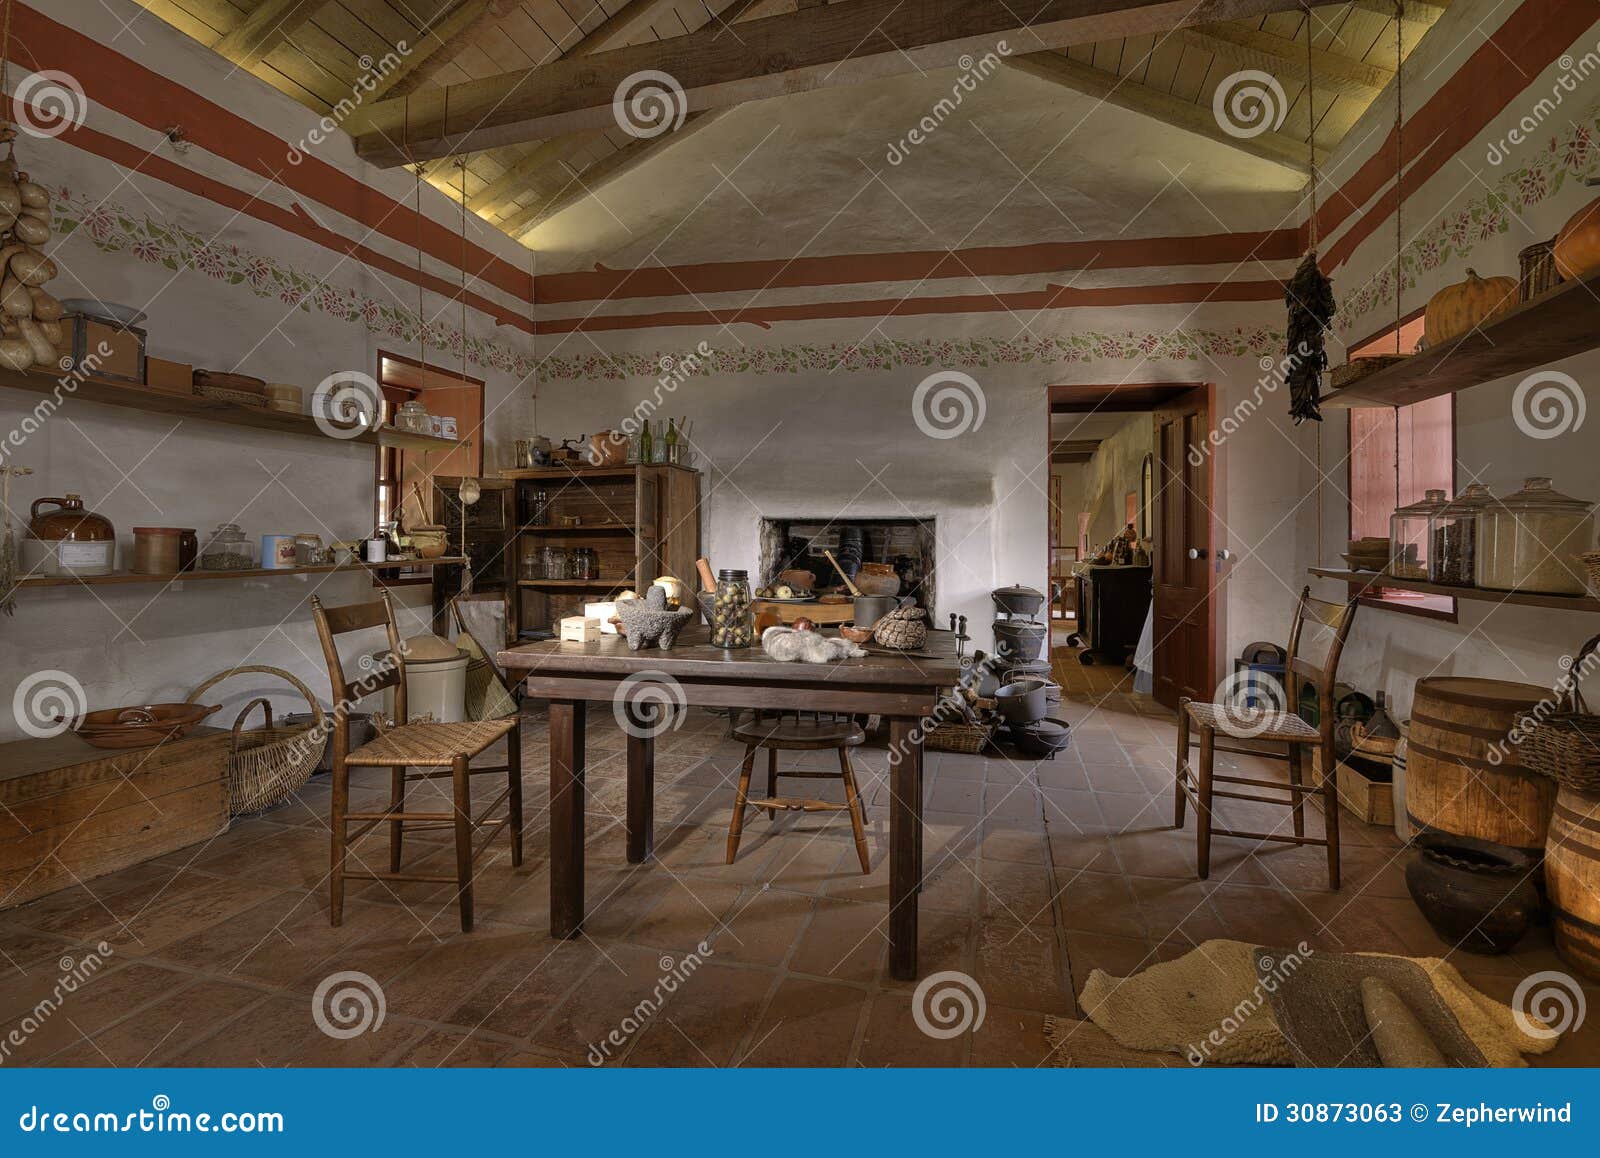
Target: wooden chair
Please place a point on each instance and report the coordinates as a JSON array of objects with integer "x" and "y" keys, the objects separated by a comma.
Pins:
[
  {"x": 1270, "y": 727},
  {"x": 792, "y": 734},
  {"x": 447, "y": 749}
]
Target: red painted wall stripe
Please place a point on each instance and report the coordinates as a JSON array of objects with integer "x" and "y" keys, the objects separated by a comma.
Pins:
[
  {"x": 113, "y": 80},
  {"x": 152, "y": 165},
  {"x": 1051, "y": 298},
  {"x": 915, "y": 265}
]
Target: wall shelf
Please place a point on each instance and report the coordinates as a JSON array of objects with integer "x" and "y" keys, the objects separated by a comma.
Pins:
[
  {"x": 153, "y": 401},
  {"x": 125, "y": 577},
  {"x": 1372, "y": 580},
  {"x": 582, "y": 529},
  {"x": 576, "y": 584},
  {"x": 1555, "y": 325}
]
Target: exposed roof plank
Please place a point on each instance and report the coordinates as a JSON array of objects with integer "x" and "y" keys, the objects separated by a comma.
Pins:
[
  {"x": 267, "y": 26},
  {"x": 1286, "y": 59},
  {"x": 836, "y": 44}
]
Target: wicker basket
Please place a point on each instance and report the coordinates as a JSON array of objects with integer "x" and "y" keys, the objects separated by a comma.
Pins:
[
  {"x": 957, "y": 737},
  {"x": 1538, "y": 270},
  {"x": 270, "y": 764},
  {"x": 1591, "y": 563},
  {"x": 901, "y": 628},
  {"x": 1565, "y": 745}
]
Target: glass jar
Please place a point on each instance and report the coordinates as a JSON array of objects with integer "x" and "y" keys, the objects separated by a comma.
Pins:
[
  {"x": 732, "y": 624},
  {"x": 1527, "y": 541},
  {"x": 553, "y": 562},
  {"x": 532, "y": 566},
  {"x": 585, "y": 563},
  {"x": 413, "y": 416},
  {"x": 228, "y": 549},
  {"x": 1453, "y": 538},
  {"x": 1408, "y": 536}
]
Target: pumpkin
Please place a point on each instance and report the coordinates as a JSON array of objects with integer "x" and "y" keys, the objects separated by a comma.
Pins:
[
  {"x": 1460, "y": 308},
  {"x": 1577, "y": 248}
]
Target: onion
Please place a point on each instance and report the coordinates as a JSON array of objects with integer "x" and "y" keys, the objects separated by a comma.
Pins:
[
  {"x": 15, "y": 353},
  {"x": 31, "y": 229},
  {"x": 31, "y": 267},
  {"x": 10, "y": 198},
  {"x": 44, "y": 350},
  {"x": 45, "y": 307},
  {"x": 15, "y": 300},
  {"x": 33, "y": 195}
]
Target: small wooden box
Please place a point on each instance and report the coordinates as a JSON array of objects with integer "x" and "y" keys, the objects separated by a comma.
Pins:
[
  {"x": 580, "y": 629},
  {"x": 177, "y": 377},
  {"x": 1369, "y": 799},
  {"x": 70, "y": 812},
  {"x": 602, "y": 613},
  {"x": 101, "y": 349}
]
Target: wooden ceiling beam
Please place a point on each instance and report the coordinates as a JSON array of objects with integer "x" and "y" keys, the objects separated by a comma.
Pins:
[
  {"x": 436, "y": 38},
  {"x": 264, "y": 28},
  {"x": 1135, "y": 97},
  {"x": 836, "y": 44},
  {"x": 1286, "y": 59},
  {"x": 479, "y": 16},
  {"x": 1423, "y": 11}
]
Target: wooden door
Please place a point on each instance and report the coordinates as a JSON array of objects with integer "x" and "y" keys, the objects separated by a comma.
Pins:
[{"x": 1185, "y": 618}]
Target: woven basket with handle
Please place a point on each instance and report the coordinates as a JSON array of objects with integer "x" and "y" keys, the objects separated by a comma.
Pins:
[
  {"x": 1565, "y": 745},
  {"x": 269, "y": 764}
]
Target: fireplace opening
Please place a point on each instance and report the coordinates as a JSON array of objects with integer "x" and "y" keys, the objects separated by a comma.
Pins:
[{"x": 905, "y": 544}]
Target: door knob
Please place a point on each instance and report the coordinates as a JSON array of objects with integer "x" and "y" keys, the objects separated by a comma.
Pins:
[
  {"x": 1196, "y": 553},
  {"x": 1223, "y": 555}
]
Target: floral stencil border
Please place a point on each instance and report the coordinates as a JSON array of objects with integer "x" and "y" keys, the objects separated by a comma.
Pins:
[
  {"x": 1572, "y": 153},
  {"x": 114, "y": 228}
]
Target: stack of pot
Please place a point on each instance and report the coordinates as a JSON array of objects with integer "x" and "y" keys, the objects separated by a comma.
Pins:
[
  {"x": 1026, "y": 690},
  {"x": 1019, "y": 637}
]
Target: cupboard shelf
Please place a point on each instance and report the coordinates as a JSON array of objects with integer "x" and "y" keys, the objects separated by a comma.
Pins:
[
  {"x": 1373, "y": 580},
  {"x": 124, "y": 577},
  {"x": 585, "y": 529},
  {"x": 1553, "y": 326},
  {"x": 576, "y": 584},
  {"x": 136, "y": 397}
]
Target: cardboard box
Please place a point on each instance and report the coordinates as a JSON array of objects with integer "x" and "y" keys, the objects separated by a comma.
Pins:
[
  {"x": 580, "y": 629},
  {"x": 176, "y": 377}
]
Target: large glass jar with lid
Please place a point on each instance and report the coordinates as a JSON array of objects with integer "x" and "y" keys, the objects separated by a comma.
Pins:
[
  {"x": 1453, "y": 541},
  {"x": 732, "y": 623},
  {"x": 1408, "y": 536},
  {"x": 1528, "y": 541},
  {"x": 228, "y": 548}
]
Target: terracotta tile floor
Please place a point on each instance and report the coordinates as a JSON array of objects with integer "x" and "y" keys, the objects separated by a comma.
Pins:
[{"x": 1038, "y": 873}]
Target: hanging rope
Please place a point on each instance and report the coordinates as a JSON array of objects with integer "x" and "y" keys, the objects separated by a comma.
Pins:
[
  {"x": 1311, "y": 167},
  {"x": 1399, "y": 203}
]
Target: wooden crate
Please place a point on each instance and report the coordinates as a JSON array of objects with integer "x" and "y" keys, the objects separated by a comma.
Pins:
[
  {"x": 1368, "y": 799},
  {"x": 70, "y": 812}
]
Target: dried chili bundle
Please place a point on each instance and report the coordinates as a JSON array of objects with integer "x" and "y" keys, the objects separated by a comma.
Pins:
[{"x": 1309, "y": 298}]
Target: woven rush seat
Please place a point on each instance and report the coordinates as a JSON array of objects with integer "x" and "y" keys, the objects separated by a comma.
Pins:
[
  {"x": 1250, "y": 723},
  {"x": 429, "y": 745},
  {"x": 798, "y": 734}
]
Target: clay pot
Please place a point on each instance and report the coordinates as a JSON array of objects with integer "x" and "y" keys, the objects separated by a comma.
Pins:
[
  {"x": 1478, "y": 895},
  {"x": 877, "y": 579}
]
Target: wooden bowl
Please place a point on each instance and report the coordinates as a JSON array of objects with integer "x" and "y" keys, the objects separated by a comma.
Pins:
[
  {"x": 855, "y": 634},
  {"x": 139, "y": 726}
]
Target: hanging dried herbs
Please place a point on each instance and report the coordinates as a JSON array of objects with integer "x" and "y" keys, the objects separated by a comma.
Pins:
[{"x": 1311, "y": 309}]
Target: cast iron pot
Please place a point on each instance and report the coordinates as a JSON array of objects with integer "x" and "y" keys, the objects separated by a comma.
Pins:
[
  {"x": 1020, "y": 641},
  {"x": 1042, "y": 738},
  {"x": 1021, "y": 702},
  {"x": 1017, "y": 600},
  {"x": 1476, "y": 894}
]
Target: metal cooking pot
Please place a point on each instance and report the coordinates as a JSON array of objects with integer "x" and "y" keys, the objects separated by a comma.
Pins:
[
  {"x": 1019, "y": 642},
  {"x": 871, "y": 608},
  {"x": 1021, "y": 702},
  {"x": 1017, "y": 600}
]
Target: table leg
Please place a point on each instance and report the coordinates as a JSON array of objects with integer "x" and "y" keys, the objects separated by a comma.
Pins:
[
  {"x": 642, "y": 780},
  {"x": 905, "y": 845},
  {"x": 566, "y": 817}
]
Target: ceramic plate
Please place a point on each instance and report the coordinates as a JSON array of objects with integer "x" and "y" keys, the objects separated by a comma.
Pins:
[{"x": 106, "y": 311}]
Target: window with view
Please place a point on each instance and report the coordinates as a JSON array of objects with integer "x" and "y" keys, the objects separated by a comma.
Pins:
[{"x": 1397, "y": 455}]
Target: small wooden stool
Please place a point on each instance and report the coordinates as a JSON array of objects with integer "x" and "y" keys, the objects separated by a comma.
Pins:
[{"x": 796, "y": 735}]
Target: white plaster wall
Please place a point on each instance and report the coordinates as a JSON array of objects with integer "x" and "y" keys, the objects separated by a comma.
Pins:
[
  {"x": 1390, "y": 650},
  {"x": 1112, "y": 473},
  {"x": 138, "y": 643},
  {"x": 815, "y": 442}
]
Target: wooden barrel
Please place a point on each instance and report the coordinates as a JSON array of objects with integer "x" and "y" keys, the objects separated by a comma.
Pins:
[
  {"x": 1463, "y": 775},
  {"x": 1572, "y": 879}
]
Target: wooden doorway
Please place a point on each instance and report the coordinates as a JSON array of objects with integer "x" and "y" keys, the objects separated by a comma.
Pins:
[{"x": 1184, "y": 555}]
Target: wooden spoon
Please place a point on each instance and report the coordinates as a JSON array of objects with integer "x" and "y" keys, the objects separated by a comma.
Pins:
[{"x": 851, "y": 586}]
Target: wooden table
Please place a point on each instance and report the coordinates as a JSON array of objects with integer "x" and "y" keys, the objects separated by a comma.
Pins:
[{"x": 569, "y": 675}]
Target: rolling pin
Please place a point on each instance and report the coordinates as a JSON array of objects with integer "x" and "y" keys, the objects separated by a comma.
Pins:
[
  {"x": 842, "y": 575},
  {"x": 707, "y": 580}
]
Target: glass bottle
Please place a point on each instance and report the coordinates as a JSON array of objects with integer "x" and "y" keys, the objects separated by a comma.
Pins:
[
  {"x": 732, "y": 624},
  {"x": 672, "y": 441},
  {"x": 1453, "y": 538},
  {"x": 1408, "y": 536},
  {"x": 645, "y": 454}
]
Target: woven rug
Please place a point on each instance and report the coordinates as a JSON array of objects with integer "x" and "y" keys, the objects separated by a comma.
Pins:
[{"x": 1215, "y": 1005}]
